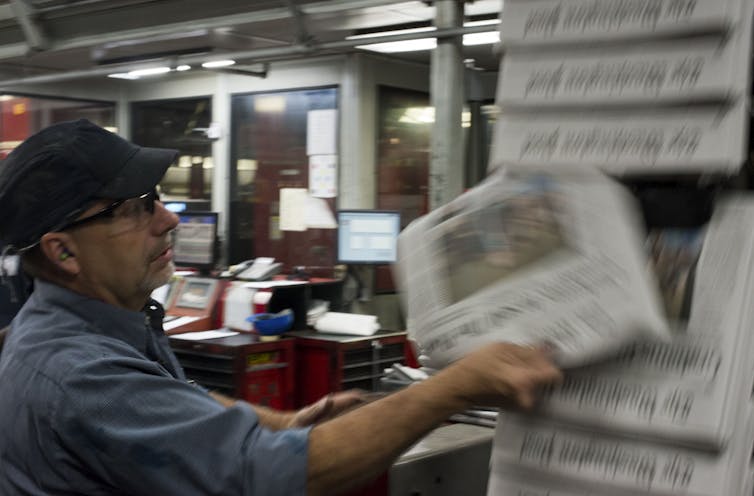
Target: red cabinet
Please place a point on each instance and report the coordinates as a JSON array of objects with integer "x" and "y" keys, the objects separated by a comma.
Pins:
[
  {"x": 333, "y": 362},
  {"x": 240, "y": 366}
]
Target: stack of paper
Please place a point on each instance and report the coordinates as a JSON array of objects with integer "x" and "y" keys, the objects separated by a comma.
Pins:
[
  {"x": 662, "y": 418},
  {"x": 347, "y": 323}
]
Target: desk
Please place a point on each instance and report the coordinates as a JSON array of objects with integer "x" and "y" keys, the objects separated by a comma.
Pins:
[
  {"x": 452, "y": 459},
  {"x": 336, "y": 362}
]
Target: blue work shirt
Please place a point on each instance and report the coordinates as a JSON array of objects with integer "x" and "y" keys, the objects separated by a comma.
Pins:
[{"x": 93, "y": 402}]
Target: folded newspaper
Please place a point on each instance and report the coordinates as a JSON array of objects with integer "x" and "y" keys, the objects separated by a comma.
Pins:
[
  {"x": 688, "y": 390},
  {"x": 530, "y": 258}
]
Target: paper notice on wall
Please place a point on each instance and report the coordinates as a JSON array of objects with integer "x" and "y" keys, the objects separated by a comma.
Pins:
[
  {"x": 323, "y": 176},
  {"x": 293, "y": 209},
  {"x": 319, "y": 215},
  {"x": 321, "y": 126}
]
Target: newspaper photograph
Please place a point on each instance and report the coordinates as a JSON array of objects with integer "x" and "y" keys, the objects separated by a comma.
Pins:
[{"x": 530, "y": 257}]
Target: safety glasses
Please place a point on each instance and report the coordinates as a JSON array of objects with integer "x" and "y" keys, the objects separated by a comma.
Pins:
[{"x": 130, "y": 207}]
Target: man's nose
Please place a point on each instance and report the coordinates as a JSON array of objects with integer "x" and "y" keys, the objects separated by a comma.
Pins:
[{"x": 164, "y": 220}]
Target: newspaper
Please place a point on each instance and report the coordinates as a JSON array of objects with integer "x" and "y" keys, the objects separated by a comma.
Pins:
[
  {"x": 687, "y": 390},
  {"x": 611, "y": 466},
  {"x": 530, "y": 257}
]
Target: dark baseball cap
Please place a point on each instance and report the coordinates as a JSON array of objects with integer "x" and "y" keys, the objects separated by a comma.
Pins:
[{"x": 57, "y": 173}]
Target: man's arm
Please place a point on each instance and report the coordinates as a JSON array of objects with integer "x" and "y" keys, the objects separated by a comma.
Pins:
[
  {"x": 358, "y": 445},
  {"x": 324, "y": 409}
]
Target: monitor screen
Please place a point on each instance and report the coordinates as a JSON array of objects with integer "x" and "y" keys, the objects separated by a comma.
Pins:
[
  {"x": 195, "y": 238},
  {"x": 175, "y": 207},
  {"x": 368, "y": 236},
  {"x": 195, "y": 293},
  {"x": 186, "y": 205}
]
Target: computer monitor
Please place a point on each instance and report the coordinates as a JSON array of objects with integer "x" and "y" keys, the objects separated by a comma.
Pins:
[
  {"x": 368, "y": 236},
  {"x": 175, "y": 206},
  {"x": 187, "y": 205},
  {"x": 195, "y": 242}
]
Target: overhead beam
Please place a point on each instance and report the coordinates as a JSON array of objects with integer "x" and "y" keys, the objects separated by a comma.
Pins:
[
  {"x": 251, "y": 17},
  {"x": 26, "y": 17},
  {"x": 262, "y": 54},
  {"x": 302, "y": 34}
]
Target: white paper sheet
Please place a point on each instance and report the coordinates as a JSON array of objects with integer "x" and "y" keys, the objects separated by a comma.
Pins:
[
  {"x": 180, "y": 321},
  {"x": 197, "y": 336},
  {"x": 319, "y": 215},
  {"x": 293, "y": 209},
  {"x": 321, "y": 126}
]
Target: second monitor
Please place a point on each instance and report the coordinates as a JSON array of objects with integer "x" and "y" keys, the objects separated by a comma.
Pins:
[
  {"x": 195, "y": 241},
  {"x": 368, "y": 236}
]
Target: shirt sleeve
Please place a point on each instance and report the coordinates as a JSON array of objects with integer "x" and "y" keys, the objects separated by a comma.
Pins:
[{"x": 142, "y": 432}]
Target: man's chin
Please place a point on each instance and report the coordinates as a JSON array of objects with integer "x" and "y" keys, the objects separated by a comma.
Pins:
[{"x": 163, "y": 276}]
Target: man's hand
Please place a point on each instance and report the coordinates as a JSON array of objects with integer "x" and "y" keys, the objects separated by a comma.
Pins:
[
  {"x": 326, "y": 408},
  {"x": 501, "y": 374}
]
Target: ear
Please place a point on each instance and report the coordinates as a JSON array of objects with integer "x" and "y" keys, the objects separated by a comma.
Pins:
[{"x": 60, "y": 250}]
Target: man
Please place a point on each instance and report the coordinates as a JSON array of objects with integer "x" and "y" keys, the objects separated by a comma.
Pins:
[{"x": 93, "y": 400}]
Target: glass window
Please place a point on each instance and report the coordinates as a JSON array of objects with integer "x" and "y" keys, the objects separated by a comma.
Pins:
[
  {"x": 405, "y": 123},
  {"x": 22, "y": 116},
  {"x": 183, "y": 125},
  {"x": 403, "y": 153},
  {"x": 269, "y": 152}
]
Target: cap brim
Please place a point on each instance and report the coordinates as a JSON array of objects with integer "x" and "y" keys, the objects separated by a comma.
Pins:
[{"x": 140, "y": 173}]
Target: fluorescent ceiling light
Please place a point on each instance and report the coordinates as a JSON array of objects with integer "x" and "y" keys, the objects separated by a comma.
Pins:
[
  {"x": 488, "y": 38},
  {"x": 218, "y": 63},
  {"x": 122, "y": 75},
  {"x": 486, "y": 22},
  {"x": 482, "y": 38},
  {"x": 152, "y": 71},
  {"x": 183, "y": 67},
  {"x": 138, "y": 73},
  {"x": 402, "y": 46},
  {"x": 389, "y": 33}
]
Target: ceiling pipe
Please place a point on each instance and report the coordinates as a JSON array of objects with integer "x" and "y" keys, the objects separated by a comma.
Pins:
[{"x": 266, "y": 54}]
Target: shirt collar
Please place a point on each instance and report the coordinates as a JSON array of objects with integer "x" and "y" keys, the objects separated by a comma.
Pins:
[{"x": 108, "y": 320}]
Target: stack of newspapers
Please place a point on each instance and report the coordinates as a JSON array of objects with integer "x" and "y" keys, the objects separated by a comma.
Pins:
[
  {"x": 646, "y": 407},
  {"x": 660, "y": 418}
]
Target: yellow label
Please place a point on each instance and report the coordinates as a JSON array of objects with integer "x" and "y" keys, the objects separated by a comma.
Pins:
[{"x": 261, "y": 358}]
